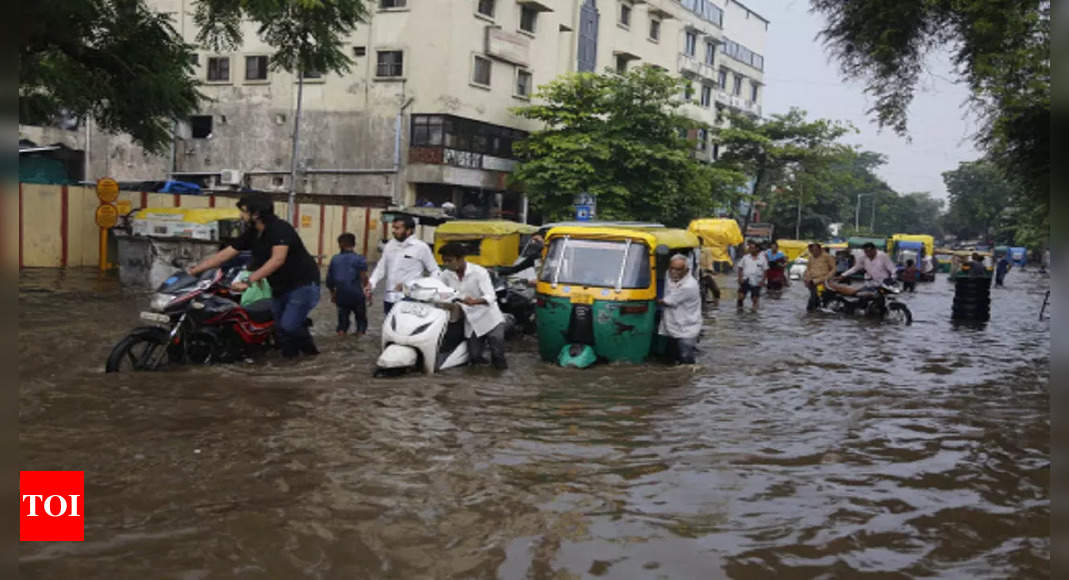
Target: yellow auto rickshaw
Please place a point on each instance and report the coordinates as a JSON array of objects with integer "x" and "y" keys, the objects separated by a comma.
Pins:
[
  {"x": 490, "y": 243},
  {"x": 717, "y": 235},
  {"x": 598, "y": 289}
]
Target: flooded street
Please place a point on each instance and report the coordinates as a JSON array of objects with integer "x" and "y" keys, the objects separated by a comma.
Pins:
[{"x": 802, "y": 446}]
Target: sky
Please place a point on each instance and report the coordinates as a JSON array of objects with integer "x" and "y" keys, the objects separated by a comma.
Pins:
[{"x": 798, "y": 72}]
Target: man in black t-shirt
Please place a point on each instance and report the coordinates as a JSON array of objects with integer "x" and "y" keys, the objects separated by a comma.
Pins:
[{"x": 278, "y": 254}]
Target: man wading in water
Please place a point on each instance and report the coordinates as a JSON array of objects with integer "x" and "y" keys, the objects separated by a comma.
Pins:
[{"x": 278, "y": 254}]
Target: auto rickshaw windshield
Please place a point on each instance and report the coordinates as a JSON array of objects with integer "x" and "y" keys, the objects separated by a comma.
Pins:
[{"x": 600, "y": 263}]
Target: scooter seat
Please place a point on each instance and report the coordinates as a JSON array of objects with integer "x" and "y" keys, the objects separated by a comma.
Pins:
[{"x": 260, "y": 311}]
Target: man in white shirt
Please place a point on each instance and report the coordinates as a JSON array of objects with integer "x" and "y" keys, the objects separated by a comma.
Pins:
[
  {"x": 681, "y": 319},
  {"x": 404, "y": 259},
  {"x": 753, "y": 269},
  {"x": 484, "y": 325},
  {"x": 877, "y": 266}
]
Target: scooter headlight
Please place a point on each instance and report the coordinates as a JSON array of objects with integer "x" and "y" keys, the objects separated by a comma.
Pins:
[{"x": 160, "y": 301}]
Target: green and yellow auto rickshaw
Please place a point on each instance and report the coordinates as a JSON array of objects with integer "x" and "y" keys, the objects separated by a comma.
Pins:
[
  {"x": 490, "y": 243},
  {"x": 598, "y": 290}
]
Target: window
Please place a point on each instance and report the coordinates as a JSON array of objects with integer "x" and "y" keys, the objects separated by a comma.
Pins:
[
  {"x": 219, "y": 68},
  {"x": 707, "y": 95},
  {"x": 688, "y": 92},
  {"x": 738, "y": 85},
  {"x": 256, "y": 68},
  {"x": 359, "y": 51},
  {"x": 426, "y": 130},
  {"x": 393, "y": 3},
  {"x": 201, "y": 126},
  {"x": 390, "y": 64},
  {"x": 481, "y": 71},
  {"x": 655, "y": 29},
  {"x": 528, "y": 17},
  {"x": 523, "y": 83},
  {"x": 691, "y": 44},
  {"x": 194, "y": 59},
  {"x": 710, "y": 53},
  {"x": 625, "y": 14},
  {"x": 753, "y": 91},
  {"x": 703, "y": 137},
  {"x": 597, "y": 263},
  {"x": 486, "y": 8},
  {"x": 621, "y": 64},
  {"x": 722, "y": 79}
]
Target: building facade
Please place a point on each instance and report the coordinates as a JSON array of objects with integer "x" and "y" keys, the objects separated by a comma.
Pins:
[{"x": 425, "y": 113}]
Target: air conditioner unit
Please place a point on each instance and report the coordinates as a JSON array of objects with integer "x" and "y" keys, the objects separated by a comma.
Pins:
[{"x": 230, "y": 177}]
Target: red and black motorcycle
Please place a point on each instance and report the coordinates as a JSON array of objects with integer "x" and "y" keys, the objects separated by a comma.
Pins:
[{"x": 198, "y": 320}]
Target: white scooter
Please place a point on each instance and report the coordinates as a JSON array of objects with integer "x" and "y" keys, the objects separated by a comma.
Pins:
[{"x": 425, "y": 331}]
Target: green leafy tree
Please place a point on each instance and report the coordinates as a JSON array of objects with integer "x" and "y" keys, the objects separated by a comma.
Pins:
[
  {"x": 620, "y": 138},
  {"x": 1000, "y": 48},
  {"x": 979, "y": 198},
  {"x": 115, "y": 60},
  {"x": 768, "y": 150}
]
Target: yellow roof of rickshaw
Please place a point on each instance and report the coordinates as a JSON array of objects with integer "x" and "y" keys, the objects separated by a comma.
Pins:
[
  {"x": 792, "y": 244},
  {"x": 675, "y": 238},
  {"x": 717, "y": 231},
  {"x": 484, "y": 228},
  {"x": 837, "y": 246},
  {"x": 652, "y": 236}
]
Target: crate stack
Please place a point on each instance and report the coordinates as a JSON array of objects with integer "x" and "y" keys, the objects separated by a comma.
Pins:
[{"x": 972, "y": 297}]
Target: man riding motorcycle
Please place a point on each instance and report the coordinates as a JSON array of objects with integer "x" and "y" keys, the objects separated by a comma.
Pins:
[{"x": 877, "y": 266}]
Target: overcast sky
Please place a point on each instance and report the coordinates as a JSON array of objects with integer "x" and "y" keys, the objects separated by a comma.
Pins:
[{"x": 799, "y": 73}]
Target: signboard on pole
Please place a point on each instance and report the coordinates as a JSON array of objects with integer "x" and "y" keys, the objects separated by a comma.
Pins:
[
  {"x": 107, "y": 190},
  {"x": 585, "y": 207}
]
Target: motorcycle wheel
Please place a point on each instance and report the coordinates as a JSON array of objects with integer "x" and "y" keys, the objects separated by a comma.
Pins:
[
  {"x": 837, "y": 305},
  {"x": 141, "y": 350},
  {"x": 899, "y": 313}
]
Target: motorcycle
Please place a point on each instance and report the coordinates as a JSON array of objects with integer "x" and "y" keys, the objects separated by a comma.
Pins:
[
  {"x": 198, "y": 320},
  {"x": 515, "y": 298},
  {"x": 880, "y": 302},
  {"x": 423, "y": 331}
]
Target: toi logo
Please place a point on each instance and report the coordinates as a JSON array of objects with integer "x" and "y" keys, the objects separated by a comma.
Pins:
[{"x": 51, "y": 506}]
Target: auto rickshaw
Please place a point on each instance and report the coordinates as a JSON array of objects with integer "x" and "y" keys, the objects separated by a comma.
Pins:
[
  {"x": 718, "y": 235},
  {"x": 942, "y": 260},
  {"x": 792, "y": 248},
  {"x": 598, "y": 291},
  {"x": 490, "y": 243}
]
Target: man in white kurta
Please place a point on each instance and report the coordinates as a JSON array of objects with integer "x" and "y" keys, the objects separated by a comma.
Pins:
[
  {"x": 484, "y": 325},
  {"x": 404, "y": 259},
  {"x": 681, "y": 319}
]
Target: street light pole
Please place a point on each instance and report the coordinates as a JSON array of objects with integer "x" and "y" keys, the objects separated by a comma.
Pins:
[{"x": 857, "y": 212}]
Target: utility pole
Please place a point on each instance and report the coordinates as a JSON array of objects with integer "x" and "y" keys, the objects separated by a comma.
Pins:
[
  {"x": 874, "y": 213},
  {"x": 857, "y": 212},
  {"x": 798, "y": 222},
  {"x": 296, "y": 139}
]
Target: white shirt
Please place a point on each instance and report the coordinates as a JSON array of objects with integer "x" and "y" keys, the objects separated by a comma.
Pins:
[
  {"x": 682, "y": 316},
  {"x": 753, "y": 269},
  {"x": 482, "y": 318},
  {"x": 877, "y": 269},
  {"x": 403, "y": 262},
  {"x": 928, "y": 264}
]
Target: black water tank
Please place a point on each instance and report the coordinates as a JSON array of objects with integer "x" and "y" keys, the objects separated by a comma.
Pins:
[{"x": 972, "y": 297}]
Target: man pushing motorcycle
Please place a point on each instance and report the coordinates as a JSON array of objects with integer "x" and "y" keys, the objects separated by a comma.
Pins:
[{"x": 877, "y": 266}]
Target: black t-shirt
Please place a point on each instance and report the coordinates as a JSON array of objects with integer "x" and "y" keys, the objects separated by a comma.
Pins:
[{"x": 299, "y": 269}]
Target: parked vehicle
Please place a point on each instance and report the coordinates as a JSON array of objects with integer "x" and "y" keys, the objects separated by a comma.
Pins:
[
  {"x": 490, "y": 243},
  {"x": 197, "y": 320},
  {"x": 598, "y": 288}
]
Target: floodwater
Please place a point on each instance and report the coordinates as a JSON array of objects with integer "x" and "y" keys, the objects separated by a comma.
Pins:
[{"x": 802, "y": 446}]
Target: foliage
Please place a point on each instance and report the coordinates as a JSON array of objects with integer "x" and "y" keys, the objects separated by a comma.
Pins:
[
  {"x": 115, "y": 60},
  {"x": 617, "y": 137},
  {"x": 979, "y": 199},
  {"x": 307, "y": 35},
  {"x": 771, "y": 150},
  {"x": 1001, "y": 49}
]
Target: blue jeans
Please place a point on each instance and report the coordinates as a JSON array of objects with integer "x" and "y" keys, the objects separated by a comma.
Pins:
[
  {"x": 357, "y": 310},
  {"x": 290, "y": 310}
]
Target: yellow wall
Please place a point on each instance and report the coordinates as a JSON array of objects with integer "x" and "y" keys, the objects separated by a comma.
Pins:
[{"x": 41, "y": 239}]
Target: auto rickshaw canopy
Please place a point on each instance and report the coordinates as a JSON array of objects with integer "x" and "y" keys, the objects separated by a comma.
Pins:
[{"x": 792, "y": 248}]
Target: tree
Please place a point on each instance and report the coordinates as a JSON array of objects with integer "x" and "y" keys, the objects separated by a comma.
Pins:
[
  {"x": 114, "y": 60},
  {"x": 307, "y": 35},
  {"x": 619, "y": 138},
  {"x": 1000, "y": 48},
  {"x": 979, "y": 198},
  {"x": 767, "y": 150}
]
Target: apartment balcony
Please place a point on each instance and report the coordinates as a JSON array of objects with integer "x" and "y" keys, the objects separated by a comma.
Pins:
[
  {"x": 690, "y": 66},
  {"x": 738, "y": 103}
]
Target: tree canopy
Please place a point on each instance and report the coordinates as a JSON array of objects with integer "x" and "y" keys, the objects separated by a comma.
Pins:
[
  {"x": 979, "y": 198},
  {"x": 622, "y": 139},
  {"x": 1000, "y": 48}
]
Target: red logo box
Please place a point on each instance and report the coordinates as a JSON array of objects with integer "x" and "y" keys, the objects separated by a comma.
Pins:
[{"x": 51, "y": 506}]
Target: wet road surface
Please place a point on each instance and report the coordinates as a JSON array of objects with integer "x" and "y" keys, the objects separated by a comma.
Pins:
[{"x": 802, "y": 446}]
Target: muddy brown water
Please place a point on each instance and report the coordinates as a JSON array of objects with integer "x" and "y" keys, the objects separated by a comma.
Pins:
[{"x": 802, "y": 446}]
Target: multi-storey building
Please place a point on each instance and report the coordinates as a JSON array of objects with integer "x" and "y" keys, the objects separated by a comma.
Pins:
[{"x": 425, "y": 113}]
